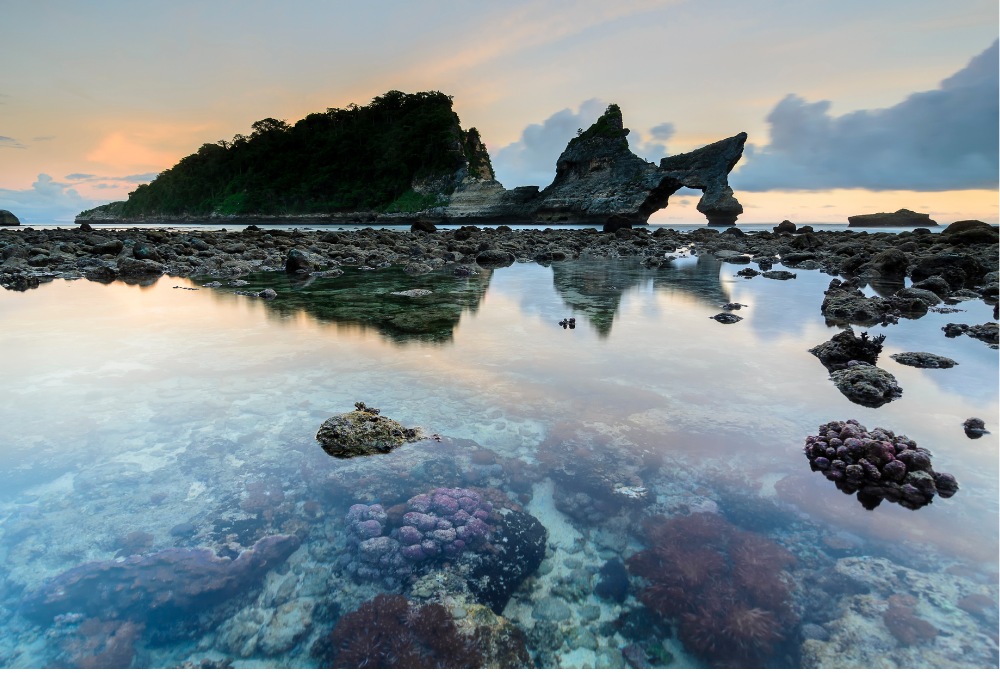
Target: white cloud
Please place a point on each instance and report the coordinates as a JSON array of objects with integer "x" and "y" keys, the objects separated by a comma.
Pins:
[
  {"x": 45, "y": 202},
  {"x": 943, "y": 139}
]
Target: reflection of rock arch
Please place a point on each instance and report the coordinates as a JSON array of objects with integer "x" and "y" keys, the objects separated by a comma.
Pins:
[{"x": 595, "y": 288}]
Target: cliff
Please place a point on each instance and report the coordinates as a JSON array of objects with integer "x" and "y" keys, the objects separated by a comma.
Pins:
[{"x": 597, "y": 176}]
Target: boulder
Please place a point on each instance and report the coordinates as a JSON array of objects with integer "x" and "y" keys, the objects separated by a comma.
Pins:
[
  {"x": 866, "y": 385},
  {"x": 971, "y": 232},
  {"x": 414, "y": 268},
  {"x": 784, "y": 227},
  {"x": 780, "y": 275},
  {"x": 928, "y": 297},
  {"x": 8, "y": 219},
  {"x": 616, "y": 222},
  {"x": 423, "y": 226},
  {"x": 923, "y": 360},
  {"x": 494, "y": 258},
  {"x": 360, "y": 432},
  {"x": 936, "y": 285},
  {"x": 130, "y": 267},
  {"x": 956, "y": 269},
  {"x": 845, "y": 347},
  {"x": 299, "y": 261},
  {"x": 890, "y": 263}
]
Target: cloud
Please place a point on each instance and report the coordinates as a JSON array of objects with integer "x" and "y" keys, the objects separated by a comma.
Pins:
[
  {"x": 139, "y": 177},
  {"x": 45, "y": 202},
  {"x": 42, "y": 138},
  {"x": 80, "y": 176},
  {"x": 8, "y": 142},
  {"x": 943, "y": 139},
  {"x": 532, "y": 159},
  {"x": 662, "y": 132},
  {"x": 105, "y": 186},
  {"x": 650, "y": 151}
]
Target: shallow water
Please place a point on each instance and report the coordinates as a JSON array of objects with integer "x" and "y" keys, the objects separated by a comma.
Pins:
[{"x": 135, "y": 409}]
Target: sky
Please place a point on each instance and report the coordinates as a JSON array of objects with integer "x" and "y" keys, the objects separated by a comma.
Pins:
[{"x": 851, "y": 107}]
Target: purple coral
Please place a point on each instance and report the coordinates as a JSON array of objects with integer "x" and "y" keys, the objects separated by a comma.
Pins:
[
  {"x": 877, "y": 465},
  {"x": 445, "y": 522}
]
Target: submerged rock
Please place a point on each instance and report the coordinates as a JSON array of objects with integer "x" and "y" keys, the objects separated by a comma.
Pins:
[
  {"x": 923, "y": 360},
  {"x": 726, "y": 317},
  {"x": 359, "y": 433},
  {"x": 866, "y": 385},
  {"x": 520, "y": 549},
  {"x": 174, "y": 581}
]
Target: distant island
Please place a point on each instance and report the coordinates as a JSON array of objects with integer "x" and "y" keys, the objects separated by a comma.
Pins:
[{"x": 406, "y": 156}]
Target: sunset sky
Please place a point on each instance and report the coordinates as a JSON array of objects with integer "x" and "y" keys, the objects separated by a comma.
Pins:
[{"x": 851, "y": 106}]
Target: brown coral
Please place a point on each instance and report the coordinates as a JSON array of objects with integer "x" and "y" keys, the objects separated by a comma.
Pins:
[
  {"x": 103, "y": 644},
  {"x": 902, "y": 622}
]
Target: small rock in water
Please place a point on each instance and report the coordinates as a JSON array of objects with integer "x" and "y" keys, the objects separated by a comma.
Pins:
[
  {"x": 268, "y": 294},
  {"x": 866, "y": 384},
  {"x": 465, "y": 271},
  {"x": 568, "y": 323},
  {"x": 213, "y": 284},
  {"x": 238, "y": 282},
  {"x": 725, "y": 317},
  {"x": 747, "y": 272},
  {"x": 974, "y": 427},
  {"x": 923, "y": 360},
  {"x": 780, "y": 275},
  {"x": 730, "y": 306},
  {"x": 413, "y": 292}
]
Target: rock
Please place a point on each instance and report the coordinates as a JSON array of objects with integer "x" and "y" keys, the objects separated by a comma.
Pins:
[
  {"x": 732, "y": 257},
  {"x": 890, "y": 263},
  {"x": 748, "y": 272},
  {"x": 290, "y": 623},
  {"x": 923, "y": 360},
  {"x": 298, "y": 261},
  {"x": 145, "y": 252},
  {"x": 414, "y": 268},
  {"x": 929, "y": 297},
  {"x": 172, "y": 582},
  {"x": 101, "y": 274},
  {"x": 805, "y": 241},
  {"x": 844, "y": 302},
  {"x": 986, "y": 332},
  {"x": 726, "y": 317},
  {"x": 971, "y": 232},
  {"x": 844, "y": 347},
  {"x": 519, "y": 551},
  {"x": 780, "y": 275},
  {"x": 784, "y": 227},
  {"x": 268, "y": 294},
  {"x": 974, "y": 427},
  {"x": 423, "y": 226},
  {"x": 359, "y": 433},
  {"x": 550, "y": 609},
  {"x": 957, "y": 270},
  {"x": 8, "y": 219},
  {"x": 867, "y": 385},
  {"x": 810, "y": 631},
  {"x": 464, "y": 271},
  {"x": 901, "y": 218},
  {"x": 935, "y": 285},
  {"x": 494, "y": 258},
  {"x": 616, "y": 222},
  {"x": 130, "y": 267},
  {"x": 413, "y": 293}
]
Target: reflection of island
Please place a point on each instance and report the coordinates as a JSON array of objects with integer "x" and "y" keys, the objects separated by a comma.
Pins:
[
  {"x": 365, "y": 298},
  {"x": 595, "y": 287}
]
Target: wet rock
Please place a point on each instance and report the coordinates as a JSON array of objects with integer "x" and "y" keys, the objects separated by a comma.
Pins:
[
  {"x": 780, "y": 275},
  {"x": 268, "y": 294},
  {"x": 845, "y": 347},
  {"x": 974, "y": 427},
  {"x": 172, "y": 582},
  {"x": 986, "y": 332},
  {"x": 784, "y": 227},
  {"x": 936, "y": 285},
  {"x": 464, "y": 271},
  {"x": 810, "y": 631},
  {"x": 614, "y": 582},
  {"x": 8, "y": 219},
  {"x": 130, "y": 267},
  {"x": 927, "y": 296},
  {"x": 748, "y": 272},
  {"x": 923, "y": 360},
  {"x": 615, "y": 223},
  {"x": 971, "y": 232},
  {"x": 423, "y": 226},
  {"x": 359, "y": 433},
  {"x": 494, "y": 258},
  {"x": 520, "y": 549},
  {"x": 957, "y": 270},
  {"x": 726, "y": 317},
  {"x": 844, "y": 302},
  {"x": 866, "y": 385},
  {"x": 299, "y": 261}
]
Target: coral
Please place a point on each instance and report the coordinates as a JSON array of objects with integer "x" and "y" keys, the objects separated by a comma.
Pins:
[
  {"x": 903, "y": 624},
  {"x": 102, "y": 644},
  {"x": 446, "y": 522},
  {"x": 877, "y": 465},
  {"x": 387, "y": 632},
  {"x": 725, "y": 585},
  {"x": 845, "y": 346},
  {"x": 263, "y": 496},
  {"x": 171, "y": 582},
  {"x": 133, "y": 543}
]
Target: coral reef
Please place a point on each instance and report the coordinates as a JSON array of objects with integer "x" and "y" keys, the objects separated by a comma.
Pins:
[
  {"x": 167, "y": 583},
  {"x": 387, "y": 632},
  {"x": 100, "y": 644},
  {"x": 845, "y": 346},
  {"x": 724, "y": 585},
  {"x": 363, "y": 432},
  {"x": 866, "y": 385},
  {"x": 445, "y": 522},
  {"x": 877, "y": 465}
]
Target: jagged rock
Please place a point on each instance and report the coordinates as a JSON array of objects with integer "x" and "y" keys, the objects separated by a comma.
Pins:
[
  {"x": 845, "y": 303},
  {"x": 923, "y": 360},
  {"x": 299, "y": 261},
  {"x": 784, "y": 227},
  {"x": 414, "y": 268},
  {"x": 890, "y": 263},
  {"x": 928, "y": 297},
  {"x": 130, "y": 267},
  {"x": 845, "y": 346},
  {"x": 901, "y": 218},
  {"x": 866, "y": 385},
  {"x": 8, "y": 219},
  {"x": 174, "y": 581},
  {"x": 359, "y": 433},
  {"x": 957, "y": 270},
  {"x": 616, "y": 222},
  {"x": 935, "y": 285},
  {"x": 986, "y": 332},
  {"x": 780, "y": 275},
  {"x": 726, "y": 317}
]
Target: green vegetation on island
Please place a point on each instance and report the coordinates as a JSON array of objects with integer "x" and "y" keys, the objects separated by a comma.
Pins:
[{"x": 342, "y": 160}]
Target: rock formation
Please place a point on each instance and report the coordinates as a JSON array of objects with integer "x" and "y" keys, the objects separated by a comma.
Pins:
[
  {"x": 8, "y": 219},
  {"x": 901, "y": 218}
]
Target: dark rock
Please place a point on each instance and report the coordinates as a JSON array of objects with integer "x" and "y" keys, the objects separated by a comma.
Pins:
[
  {"x": 957, "y": 270},
  {"x": 85, "y": 227},
  {"x": 890, "y": 263},
  {"x": 299, "y": 261},
  {"x": 520, "y": 549},
  {"x": 359, "y": 433},
  {"x": 804, "y": 241},
  {"x": 986, "y": 332},
  {"x": 811, "y": 631},
  {"x": 423, "y": 226},
  {"x": 901, "y": 218},
  {"x": 971, "y": 232},
  {"x": 130, "y": 267},
  {"x": 844, "y": 347},
  {"x": 780, "y": 275},
  {"x": 182, "y": 530},
  {"x": 747, "y": 272},
  {"x": 929, "y": 297},
  {"x": 923, "y": 360},
  {"x": 8, "y": 219},
  {"x": 616, "y": 222},
  {"x": 464, "y": 271},
  {"x": 785, "y": 227},
  {"x": 804, "y": 229},
  {"x": 614, "y": 582},
  {"x": 172, "y": 582},
  {"x": 494, "y": 258},
  {"x": 145, "y": 252},
  {"x": 866, "y": 385},
  {"x": 101, "y": 274},
  {"x": 974, "y": 427},
  {"x": 19, "y": 281},
  {"x": 726, "y": 317}
]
